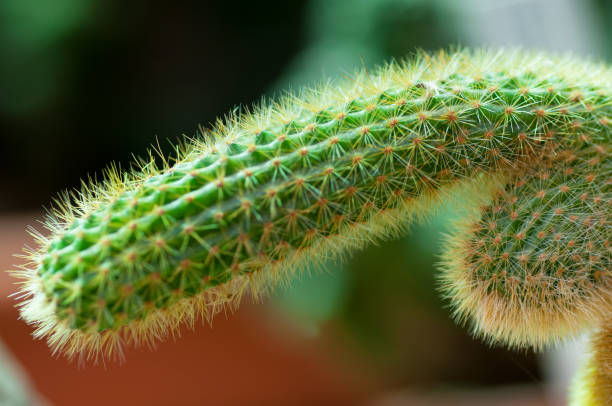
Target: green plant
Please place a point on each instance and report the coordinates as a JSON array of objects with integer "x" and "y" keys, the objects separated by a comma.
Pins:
[
  {"x": 594, "y": 383},
  {"x": 523, "y": 137}
]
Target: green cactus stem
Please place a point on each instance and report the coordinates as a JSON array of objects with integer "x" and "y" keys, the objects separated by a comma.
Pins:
[{"x": 334, "y": 168}]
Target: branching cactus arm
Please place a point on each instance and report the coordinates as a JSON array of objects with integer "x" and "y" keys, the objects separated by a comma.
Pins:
[{"x": 534, "y": 267}]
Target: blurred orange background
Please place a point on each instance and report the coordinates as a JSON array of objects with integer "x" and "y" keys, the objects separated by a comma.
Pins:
[{"x": 254, "y": 356}]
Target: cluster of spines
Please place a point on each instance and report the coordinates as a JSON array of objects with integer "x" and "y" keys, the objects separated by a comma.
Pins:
[
  {"x": 291, "y": 180},
  {"x": 543, "y": 245}
]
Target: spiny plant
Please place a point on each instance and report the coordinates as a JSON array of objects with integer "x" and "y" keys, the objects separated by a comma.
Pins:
[
  {"x": 593, "y": 386},
  {"x": 312, "y": 175},
  {"x": 534, "y": 267}
]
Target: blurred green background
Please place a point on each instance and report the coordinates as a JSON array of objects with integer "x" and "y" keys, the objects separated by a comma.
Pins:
[{"x": 84, "y": 83}]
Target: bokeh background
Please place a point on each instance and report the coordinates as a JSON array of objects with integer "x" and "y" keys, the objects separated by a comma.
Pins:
[{"x": 87, "y": 82}]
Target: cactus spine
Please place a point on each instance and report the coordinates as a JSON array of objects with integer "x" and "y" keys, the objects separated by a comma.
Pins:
[{"x": 333, "y": 168}]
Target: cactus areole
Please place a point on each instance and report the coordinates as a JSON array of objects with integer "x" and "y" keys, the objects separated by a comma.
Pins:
[{"x": 314, "y": 174}]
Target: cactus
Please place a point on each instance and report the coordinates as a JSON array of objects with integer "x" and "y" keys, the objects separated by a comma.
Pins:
[
  {"x": 534, "y": 266},
  {"x": 334, "y": 168},
  {"x": 593, "y": 386}
]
